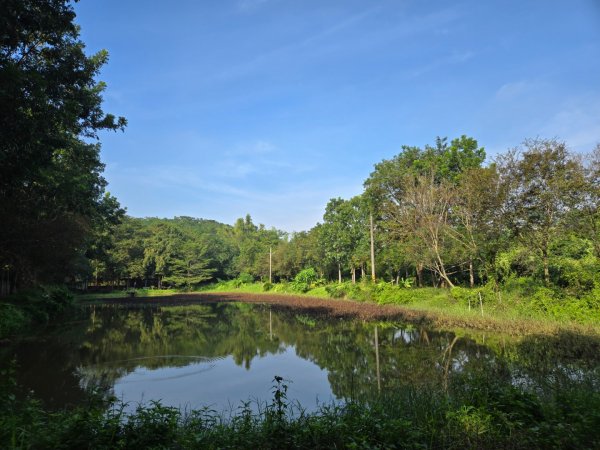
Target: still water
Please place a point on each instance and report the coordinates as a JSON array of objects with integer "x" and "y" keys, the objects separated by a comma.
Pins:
[{"x": 219, "y": 355}]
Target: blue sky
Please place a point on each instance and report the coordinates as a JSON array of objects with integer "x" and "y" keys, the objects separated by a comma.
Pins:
[{"x": 272, "y": 107}]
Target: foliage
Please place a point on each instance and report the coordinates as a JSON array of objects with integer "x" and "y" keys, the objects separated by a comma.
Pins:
[
  {"x": 36, "y": 305},
  {"x": 476, "y": 411},
  {"x": 12, "y": 319},
  {"x": 53, "y": 194},
  {"x": 304, "y": 280}
]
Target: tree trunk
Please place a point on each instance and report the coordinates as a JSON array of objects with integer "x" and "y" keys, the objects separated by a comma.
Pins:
[
  {"x": 441, "y": 269},
  {"x": 339, "y": 273},
  {"x": 372, "y": 248},
  {"x": 353, "y": 271},
  {"x": 546, "y": 270},
  {"x": 471, "y": 274},
  {"x": 420, "y": 274}
]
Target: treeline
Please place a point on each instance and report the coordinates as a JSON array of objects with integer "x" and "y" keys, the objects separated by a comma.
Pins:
[
  {"x": 181, "y": 252},
  {"x": 439, "y": 215}
]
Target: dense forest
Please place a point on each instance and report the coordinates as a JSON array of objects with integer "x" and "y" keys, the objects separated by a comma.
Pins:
[{"x": 441, "y": 217}]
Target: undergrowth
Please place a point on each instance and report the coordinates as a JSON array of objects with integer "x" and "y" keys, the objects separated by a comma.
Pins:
[
  {"x": 473, "y": 411},
  {"x": 33, "y": 306}
]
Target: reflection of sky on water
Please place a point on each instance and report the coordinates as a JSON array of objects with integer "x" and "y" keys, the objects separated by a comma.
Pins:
[
  {"x": 222, "y": 385},
  {"x": 220, "y": 355},
  {"x": 406, "y": 336}
]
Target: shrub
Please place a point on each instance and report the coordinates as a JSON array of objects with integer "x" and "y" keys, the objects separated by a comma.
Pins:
[
  {"x": 12, "y": 319},
  {"x": 33, "y": 305},
  {"x": 304, "y": 280},
  {"x": 543, "y": 300},
  {"x": 522, "y": 285},
  {"x": 395, "y": 295},
  {"x": 337, "y": 290},
  {"x": 282, "y": 286}
]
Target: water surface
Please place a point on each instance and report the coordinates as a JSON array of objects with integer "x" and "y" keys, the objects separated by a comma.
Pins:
[{"x": 219, "y": 355}]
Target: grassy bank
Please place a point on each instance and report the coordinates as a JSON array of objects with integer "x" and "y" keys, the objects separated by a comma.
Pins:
[
  {"x": 476, "y": 411},
  {"x": 513, "y": 311}
]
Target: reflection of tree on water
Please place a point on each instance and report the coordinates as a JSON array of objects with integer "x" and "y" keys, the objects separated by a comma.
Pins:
[{"x": 361, "y": 358}]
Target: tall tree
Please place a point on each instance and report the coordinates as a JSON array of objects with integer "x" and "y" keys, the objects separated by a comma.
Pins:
[
  {"x": 476, "y": 216},
  {"x": 417, "y": 192},
  {"x": 544, "y": 184},
  {"x": 337, "y": 234},
  {"x": 50, "y": 179},
  {"x": 587, "y": 220}
]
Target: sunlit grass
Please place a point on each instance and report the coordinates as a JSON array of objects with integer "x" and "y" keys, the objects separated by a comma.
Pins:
[
  {"x": 126, "y": 294},
  {"x": 510, "y": 308}
]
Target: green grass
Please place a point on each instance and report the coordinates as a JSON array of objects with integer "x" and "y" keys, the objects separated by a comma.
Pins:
[
  {"x": 125, "y": 294},
  {"x": 475, "y": 411},
  {"x": 513, "y": 310},
  {"x": 516, "y": 311}
]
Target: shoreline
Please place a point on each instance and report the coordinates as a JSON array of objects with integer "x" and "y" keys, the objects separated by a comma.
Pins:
[{"x": 352, "y": 309}]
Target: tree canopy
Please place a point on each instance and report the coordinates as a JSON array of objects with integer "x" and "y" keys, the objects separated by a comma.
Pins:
[{"x": 51, "y": 186}]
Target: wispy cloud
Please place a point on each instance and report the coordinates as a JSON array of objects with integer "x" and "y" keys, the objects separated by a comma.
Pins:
[
  {"x": 294, "y": 48},
  {"x": 515, "y": 90},
  {"x": 290, "y": 205},
  {"x": 453, "y": 58}
]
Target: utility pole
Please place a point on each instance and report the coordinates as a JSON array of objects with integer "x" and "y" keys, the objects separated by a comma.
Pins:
[
  {"x": 270, "y": 264},
  {"x": 372, "y": 248}
]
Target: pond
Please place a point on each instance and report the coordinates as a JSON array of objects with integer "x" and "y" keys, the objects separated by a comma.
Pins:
[{"x": 218, "y": 355}]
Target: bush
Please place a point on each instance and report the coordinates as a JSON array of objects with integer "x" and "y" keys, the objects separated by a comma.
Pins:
[
  {"x": 56, "y": 299},
  {"x": 387, "y": 293},
  {"x": 464, "y": 296},
  {"x": 12, "y": 319},
  {"x": 304, "y": 280},
  {"x": 267, "y": 286},
  {"x": 395, "y": 295},
  {"x": 33, "y": 305},
  {"x": 522, "y": 285},
  {"x": 282, "y": 286},
  {"x": 335, "y": 290},
  {"x": 45, "y": 302},
  {"x": 544, "y": 300}
]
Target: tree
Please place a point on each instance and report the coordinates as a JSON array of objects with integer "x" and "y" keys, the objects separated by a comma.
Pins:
[
  {"x": 476, "y": 216},
  {"x": 253, "y": 243},
  {"x": 337, "y": 234},
  {"x": 416, "y": 191},
  {"x": 50, "y": 184},
  {"x": 587, "y": 220},
  {"x": 544, "y": 184},
  {"x": 188, "y": 265}
]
